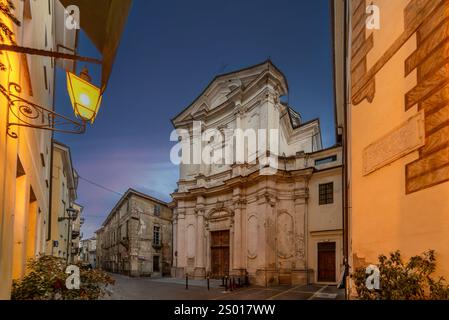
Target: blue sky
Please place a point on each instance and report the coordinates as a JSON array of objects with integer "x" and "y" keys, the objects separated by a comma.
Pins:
[{"x": 169, "y": 52}]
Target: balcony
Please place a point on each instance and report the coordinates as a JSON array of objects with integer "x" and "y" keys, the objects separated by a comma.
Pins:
[
  {"x": 75, "y": 234},
  {"x": 157, "y": 245}
]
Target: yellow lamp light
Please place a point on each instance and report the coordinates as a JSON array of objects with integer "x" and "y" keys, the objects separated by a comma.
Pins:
[{"x": 85, "y": 97}]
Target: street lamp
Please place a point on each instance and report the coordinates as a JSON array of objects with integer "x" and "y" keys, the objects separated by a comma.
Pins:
[
  {"x": 85, "y": 97},
  {"x": 72, "y": 214}
]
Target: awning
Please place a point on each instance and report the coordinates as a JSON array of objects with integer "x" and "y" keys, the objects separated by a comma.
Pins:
[{"x": 103, "y": 21}]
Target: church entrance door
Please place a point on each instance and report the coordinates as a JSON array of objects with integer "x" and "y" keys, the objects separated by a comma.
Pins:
[{"x": 219, "y": 253}]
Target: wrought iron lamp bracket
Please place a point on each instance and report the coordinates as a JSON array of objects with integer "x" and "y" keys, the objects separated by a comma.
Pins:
[{"x": 24, "y": 113}]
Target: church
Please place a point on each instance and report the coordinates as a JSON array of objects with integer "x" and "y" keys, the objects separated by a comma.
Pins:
[{"x": 235, "y": 219}]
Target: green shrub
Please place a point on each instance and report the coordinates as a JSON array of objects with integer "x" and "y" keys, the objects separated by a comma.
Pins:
[
  {"x": 46, "y": 280},
  {"x": 404, "y": 281}
]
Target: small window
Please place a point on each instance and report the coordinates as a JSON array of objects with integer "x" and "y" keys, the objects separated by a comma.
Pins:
[
  {"x": 325, "y": 160},
  {"x": 326, "y": 193},
  {"x": 157, "y": 210},
  {"x": 156, "y": 235}
]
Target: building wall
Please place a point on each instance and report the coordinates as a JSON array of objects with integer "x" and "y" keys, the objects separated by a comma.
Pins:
[
  {"x": 126, "y": 240},
  {"x": 398, "y": 122},
  {"x": 62, "y": 198},
  {"x": 24, "y": 214},
  {"x": 325, "y": 222},
  {"x": 268, "y": 219},
  {"x": 76, "y": 234},
  {"x": 88, "y": 252}
]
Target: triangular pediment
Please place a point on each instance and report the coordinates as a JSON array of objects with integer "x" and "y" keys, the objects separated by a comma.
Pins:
[{"x": 223, "y": 86}]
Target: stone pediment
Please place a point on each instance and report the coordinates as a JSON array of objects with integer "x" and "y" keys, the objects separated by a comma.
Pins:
[
  {"x": 219, "y": 214},
  {"x": 222, "y": 86}
]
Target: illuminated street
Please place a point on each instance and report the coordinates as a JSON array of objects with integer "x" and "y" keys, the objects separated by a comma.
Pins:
[{"x": 127, "y": 288}]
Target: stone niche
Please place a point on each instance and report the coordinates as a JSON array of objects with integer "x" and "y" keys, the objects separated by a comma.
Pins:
[
  {"x": 252, "y": 236},
  {"x": 285, "y": 235},
  {"x": 191, "y": 241}
]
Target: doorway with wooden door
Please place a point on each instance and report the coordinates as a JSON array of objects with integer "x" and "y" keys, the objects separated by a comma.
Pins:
[
  {"x": 326, "y": 262},
  {"x": 219, "y": 253}
]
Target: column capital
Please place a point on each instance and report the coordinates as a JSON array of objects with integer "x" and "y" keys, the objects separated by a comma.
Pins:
[
  {"x": 200, "y": 211},
  {"x": 239, "y": 202},
  {"x": 272, "y": 96},
  {"x": 267, "y": 197},
  {"x": 181, "y": 213},
  {"x": 240, "y": 110}
]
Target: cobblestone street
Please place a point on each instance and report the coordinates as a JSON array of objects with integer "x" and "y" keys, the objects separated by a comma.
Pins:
[{"x": 127, "y": 288}]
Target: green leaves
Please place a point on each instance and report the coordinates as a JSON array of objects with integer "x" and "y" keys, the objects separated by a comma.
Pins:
[{"x": 404, "y": 281}]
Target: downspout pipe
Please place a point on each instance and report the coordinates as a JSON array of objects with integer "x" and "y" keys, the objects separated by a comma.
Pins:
[{"x": 346, "y": 155}]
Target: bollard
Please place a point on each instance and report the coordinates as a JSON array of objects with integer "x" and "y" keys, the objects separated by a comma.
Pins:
[
  {"x": 230, "y": 283},
  {"x": 239, "y": 283},
  {"x": 187, "y": 281},
  {"x": 223, "y": 281},
  {"x": 208, "y": 283},
  {"x": 226, "y": 283}
]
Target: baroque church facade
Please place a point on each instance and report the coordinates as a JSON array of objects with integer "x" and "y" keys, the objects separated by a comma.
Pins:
[{"x": 236, "y": 220}]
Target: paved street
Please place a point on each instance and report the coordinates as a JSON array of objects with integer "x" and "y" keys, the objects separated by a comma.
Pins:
[{"x": 127, "y": 288}]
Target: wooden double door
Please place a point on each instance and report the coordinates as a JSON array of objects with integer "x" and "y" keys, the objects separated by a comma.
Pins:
[
  {"x": 219, "y": 253},
  {"x": 326, "y": 262}
]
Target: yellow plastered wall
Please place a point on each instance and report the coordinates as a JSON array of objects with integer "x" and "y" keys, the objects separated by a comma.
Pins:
[
  {"x": 383, "y": 217},
  {"x": 23, "y": 219}
]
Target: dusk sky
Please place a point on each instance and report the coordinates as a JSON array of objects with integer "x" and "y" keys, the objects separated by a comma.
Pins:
[{"x": 169, "y": 52}]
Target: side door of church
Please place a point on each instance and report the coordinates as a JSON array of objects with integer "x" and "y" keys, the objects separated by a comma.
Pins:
[
  {"x": 219, "y": 253},
  {"x": 326, "y": 262}
]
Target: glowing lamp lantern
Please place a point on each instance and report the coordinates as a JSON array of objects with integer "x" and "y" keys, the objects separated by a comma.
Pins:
[{"x": 85, "y": 97}]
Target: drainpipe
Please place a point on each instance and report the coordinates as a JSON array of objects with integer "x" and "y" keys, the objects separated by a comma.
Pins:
[
  {"x": 50, "y": 196},
  {"x": 347, "y": 105},
  {"x": 69, "y": 221}
]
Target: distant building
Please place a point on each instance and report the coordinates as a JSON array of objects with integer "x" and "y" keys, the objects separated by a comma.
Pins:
[
  {"x": 136, "y": 237},
  {"x": 63, "y": 196},
  {"x": 88, "y": 252},
  {"x": 76, "y": 234}
]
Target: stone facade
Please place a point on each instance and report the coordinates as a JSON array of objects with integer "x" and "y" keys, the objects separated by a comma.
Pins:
[
  {"x": 238, "y": 220},
  {"x": 136, "y": 237}
]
